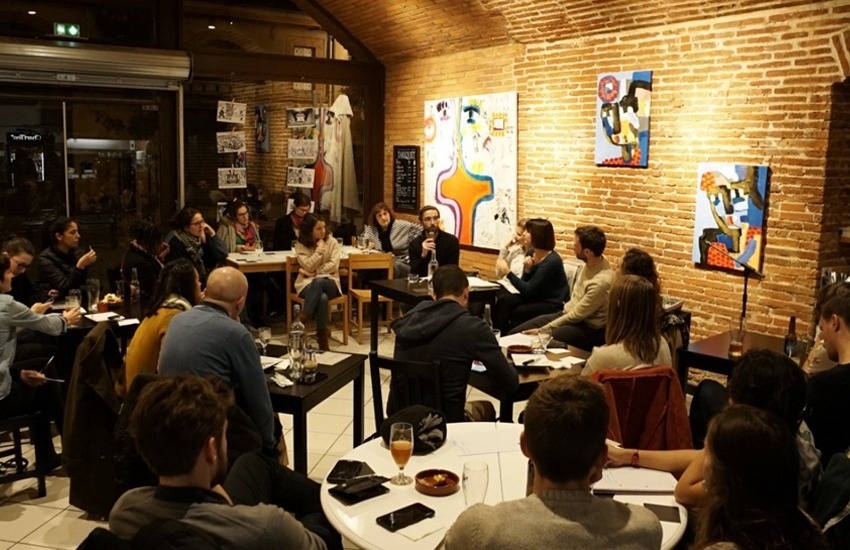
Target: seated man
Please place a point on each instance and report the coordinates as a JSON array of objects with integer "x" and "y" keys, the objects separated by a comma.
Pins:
[
  {"x": 209, "y": 340},
  {"x": 566, "y": 420},
  {"x": 445, "y": 331},
  {"x": 433, "y": 240},
  {"x": 178, "y": 426},
  {"x": 582, "y": 323}
]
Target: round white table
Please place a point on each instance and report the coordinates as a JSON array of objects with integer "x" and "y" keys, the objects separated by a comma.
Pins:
[{"x": 507, "y": 468}]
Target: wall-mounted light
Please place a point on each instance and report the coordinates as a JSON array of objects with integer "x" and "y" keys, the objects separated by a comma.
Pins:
[
  {"x": 211, "y": 27},
  {"x": 31, "y": 12}
]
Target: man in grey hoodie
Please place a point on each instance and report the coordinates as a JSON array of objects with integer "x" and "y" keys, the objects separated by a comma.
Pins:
[{"x": 445, "y": 331}]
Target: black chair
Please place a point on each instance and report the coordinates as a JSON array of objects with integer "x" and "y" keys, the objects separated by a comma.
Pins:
[
  {"x": 412, "y": 383},
  {"x": 13, "y": 427}
]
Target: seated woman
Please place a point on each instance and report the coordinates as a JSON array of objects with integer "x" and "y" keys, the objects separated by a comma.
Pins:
[
  {"x": 388, "y": 234},
  {"x": 178, "y": 289},
  {"x": 632, "y": 333},
  {"x": 23, "y": 384},
  {"x": 60, "y": 266},
  {"x": 145, "y": 255},
  {"x": 21, "y": 254},
  {"x": 241, "y": 234},
  {"x": 543, "y": 285},
  {"x": 192, "y": 238},
  {"x": 318, "y": 274},
  {"x": 512, "y": 254},
  {"x": 288, "y": 227},
  {"x": 751, "y": 476}
]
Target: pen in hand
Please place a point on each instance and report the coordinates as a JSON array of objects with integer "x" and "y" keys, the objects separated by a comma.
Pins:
[{"x": 52, "y": 357}]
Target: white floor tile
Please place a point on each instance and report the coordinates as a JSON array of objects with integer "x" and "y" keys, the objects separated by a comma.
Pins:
[
  {"x": 58, "y": 489},
  {"x": 340, "y": 407},
  {"x": 6, "y": 545},
  {"x": 326, "y": 423},
  {"x": 342, "y": 445},
  {"x": 67, "y": 529},
  {"x": 19, "y": 520},
  {"x": 321, "y": 469}
]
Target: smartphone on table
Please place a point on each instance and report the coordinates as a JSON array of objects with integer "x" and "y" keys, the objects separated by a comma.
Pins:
[{"x": 405, "y": 517}]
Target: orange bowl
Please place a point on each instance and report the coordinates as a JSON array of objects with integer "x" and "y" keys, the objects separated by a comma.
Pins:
[{"x": 437, "y": 483}]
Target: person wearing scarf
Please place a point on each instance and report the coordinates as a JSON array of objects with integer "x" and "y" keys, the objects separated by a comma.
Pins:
[
  {"x": 288, "y": 227},
  {"x": 238, "y": 232},
  {"x": 193, "y": 239}
]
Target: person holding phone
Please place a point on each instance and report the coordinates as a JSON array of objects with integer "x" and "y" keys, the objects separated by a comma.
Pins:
[
  {"x": 318, "y": 273},
  {"x": 24, "y": 388},
  {"x": 193, "y": 238},
  {"x": 61, "y": 266}
]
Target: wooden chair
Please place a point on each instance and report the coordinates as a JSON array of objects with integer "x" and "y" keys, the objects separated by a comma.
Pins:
[
  {"x": 367, "y": 262},
  {"x": 13, "y": 426},
  {"x": 292, "y": 297},
  {"x": 409, "y": 381}
]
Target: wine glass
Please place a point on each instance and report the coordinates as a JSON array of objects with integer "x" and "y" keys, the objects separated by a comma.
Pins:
[
  {"x": 545, "y": 336},
  {"x": 258, "y": 247},
  {"x": 476, "y": 477},
  {"x": 74, "y": 298},
  {"x": 401, "y": 447},
  {"x": 265, "y": 334}
]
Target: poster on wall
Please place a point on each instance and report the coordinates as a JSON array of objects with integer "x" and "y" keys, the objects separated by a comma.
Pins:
[
  {"x": 302, "y": 148},
  {"x": 623, "y": 101},
  {"x": 470, "y": 166},
  {"x": 230, "y": 142},
  {"x": 232, "y": 178},
  {"x": 297, "y": 118},
  {"x": 731, "y": 201},
  {"x": 228, "y": 111},
  {"x": 299, "y": 177},
  {"x": 261, "y": 129}
]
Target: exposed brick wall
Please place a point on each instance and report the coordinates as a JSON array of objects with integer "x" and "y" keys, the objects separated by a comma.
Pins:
[{"x": 749, "y": 88}]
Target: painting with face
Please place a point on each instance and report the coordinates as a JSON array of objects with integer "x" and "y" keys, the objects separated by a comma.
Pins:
[
  {"x": 731, "y": 201},
  {"x": 622, "y": 119}
]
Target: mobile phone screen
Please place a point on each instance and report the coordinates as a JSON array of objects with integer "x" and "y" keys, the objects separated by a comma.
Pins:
[
  {"x": 405, "y": 517},
  {"x": 664, "y": 513}
]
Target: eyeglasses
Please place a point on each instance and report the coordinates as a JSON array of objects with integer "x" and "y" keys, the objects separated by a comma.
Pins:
[{"x": 241, "y": 214}]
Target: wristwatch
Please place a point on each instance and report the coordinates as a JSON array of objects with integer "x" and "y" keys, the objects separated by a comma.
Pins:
[{"x": 635, "y": 458}]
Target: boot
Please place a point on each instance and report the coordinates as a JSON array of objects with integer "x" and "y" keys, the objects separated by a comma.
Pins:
[{"x": 322, "y": 335}]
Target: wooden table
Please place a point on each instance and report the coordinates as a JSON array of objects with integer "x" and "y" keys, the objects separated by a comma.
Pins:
[
  {"x": 712, "y": 353},
  {"x": 507, "y": 481},
  {"x": 299, "y": 399},
  {"x": 273, "y": 261}
]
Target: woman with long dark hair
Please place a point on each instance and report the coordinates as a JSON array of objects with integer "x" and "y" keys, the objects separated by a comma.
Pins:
[
  {"x": 194, "y": 239},
  {"x": 751, "y": 482},
  {"x": 145, "y": 255},
  {"x": 61, "y": 267},
  {"x": 388, "y": 234},
  {"x": 632, "y": 333},
  {"x": 177, "y": 290},
  {"x": 318, "y": 274}
]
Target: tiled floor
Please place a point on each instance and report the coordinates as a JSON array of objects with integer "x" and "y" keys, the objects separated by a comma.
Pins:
[{"x": 50, "y": 522}]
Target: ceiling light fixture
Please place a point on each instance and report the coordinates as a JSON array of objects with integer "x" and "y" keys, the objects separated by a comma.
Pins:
[
  {"x": 211, "y": 27},
  {"x": 31, "y": 12}
]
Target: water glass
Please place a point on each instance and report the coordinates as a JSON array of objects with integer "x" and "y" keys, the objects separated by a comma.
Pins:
[
  {"x": 258, "y": 247},
  {"x": 93, "y": 291},
  {"x": 544, "y": 336},
  {"x": 412, "y": 279},
  {"x": 120, "y": 288},
  {"x": 476, "y": 477},
  {"x": 340, "y": 241},
  {"x": 265, "y": 335},
  {"x": 738, "y": 329},
  {"x": 401, "y": 448}
]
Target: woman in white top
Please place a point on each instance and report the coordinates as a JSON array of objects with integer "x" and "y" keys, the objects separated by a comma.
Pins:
[
  {"x": 633, "y": 332},
  {"x": 318, "y": 272}
]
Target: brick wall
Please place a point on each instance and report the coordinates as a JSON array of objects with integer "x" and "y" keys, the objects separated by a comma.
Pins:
[{"x": 749, "y": 88}]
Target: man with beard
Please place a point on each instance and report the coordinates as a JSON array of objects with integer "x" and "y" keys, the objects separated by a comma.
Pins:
[{"x": 179, "y": 426}]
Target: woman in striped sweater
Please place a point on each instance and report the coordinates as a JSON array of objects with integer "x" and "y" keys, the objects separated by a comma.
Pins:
[{"x": 388, "y": 234}]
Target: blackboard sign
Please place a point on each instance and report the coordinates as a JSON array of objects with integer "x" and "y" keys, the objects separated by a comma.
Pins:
[{"x": 406, "y": 178}]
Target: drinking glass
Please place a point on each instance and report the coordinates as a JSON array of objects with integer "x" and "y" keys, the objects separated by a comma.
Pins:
[
  {"x": 120, "y": 288},
  {"x": 412, "y": 279},
  {"x": 401, "y": 448},
  {"x": 340, "y": 241},
  {"x": 738, "y": 328},
  {"x": 544, "y": 336},
  {"x": 93, "y": 291},
  {"x": 265, "y": 334},
  {"x": 258, "y": 247},
  {"x": 73, "y": 299},
  {"x": 476, "y": 477}
]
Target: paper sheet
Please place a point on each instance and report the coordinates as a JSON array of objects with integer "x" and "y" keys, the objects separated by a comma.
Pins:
[
  {"x": 331, "y": 357},
  {"x": 485, "y": 442},
  {"x": 508, "y": 285},
  {"x": 516, "y": 339},
  {"x": 635, "y": 480},
  {"x": 422, "y": 529},
  {"x": 478, "y": 282},
  {"x": 128, "y": 322},
  {"x": 268, "y": 362},
  {"x": 106, "y": 316},
  {"x": 555, "y": 361}
]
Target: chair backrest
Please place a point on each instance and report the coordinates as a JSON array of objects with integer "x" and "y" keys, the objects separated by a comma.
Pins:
[
  {"x": 647, "y": 408},
  {"x": 365, "y": 262},
  {"x": 411, "y": 382}
]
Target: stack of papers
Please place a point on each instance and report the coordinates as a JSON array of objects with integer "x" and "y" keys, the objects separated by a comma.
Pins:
[
  {"x": 635, "y": 480},
  {"x": 277, "y": 362},
  {"x": 554, "y": 358},
  {"x": 517, "y": 339},
  {"x": 508, "y": 285},
  {"x": 106, "y": 316},
  {"x": 477, "y": 282}
]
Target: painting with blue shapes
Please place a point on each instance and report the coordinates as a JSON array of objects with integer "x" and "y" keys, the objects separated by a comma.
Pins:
[{"x": 623, "y": 102}]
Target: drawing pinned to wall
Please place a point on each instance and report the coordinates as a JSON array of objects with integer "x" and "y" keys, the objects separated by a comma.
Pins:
[
  {"x": 296, "y": 118},
  {"x": 230, "y": 142},
  {"x": 228, "y": 111},
  {"x": 302, "y": 148},
  {"x": 470, "y": 160},
  {"x": 261, "y": 128},
  {"x": 731, "y": 202},
  {"x": 299, "y": 177},
  {"x": 232, "y": 178},
  {"x": 623, "y": 103}
]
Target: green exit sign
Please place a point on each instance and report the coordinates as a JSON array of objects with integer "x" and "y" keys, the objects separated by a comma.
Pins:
[{"x": 66, "y": 29}]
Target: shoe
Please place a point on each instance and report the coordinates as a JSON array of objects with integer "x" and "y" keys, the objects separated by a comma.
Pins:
[{"x": 322, "y": 335}]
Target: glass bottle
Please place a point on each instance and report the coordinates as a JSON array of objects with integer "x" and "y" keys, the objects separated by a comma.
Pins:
[
  {"x": 296, "y": 344},
  {"x": 790, "y": 345},
  {"x": 433, "y": 265}
]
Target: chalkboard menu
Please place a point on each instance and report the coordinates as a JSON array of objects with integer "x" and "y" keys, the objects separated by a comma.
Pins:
[{"x": 406, "y": 178}]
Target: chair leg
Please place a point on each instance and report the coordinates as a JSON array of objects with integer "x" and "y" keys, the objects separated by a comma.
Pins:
[{"x": 345, "y": 314}]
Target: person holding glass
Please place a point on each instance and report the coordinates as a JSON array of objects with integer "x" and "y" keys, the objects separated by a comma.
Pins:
[
  {"x": 30, "y": 385},
  {"x": 194, "y": 239},
  {"x": 318, "y": 273},
  {"x": 385, "y": 233},
  {"x": 542, "y": 286},
  {"x": 61, "y": 266},
  {"x": 632, "y": 332}
]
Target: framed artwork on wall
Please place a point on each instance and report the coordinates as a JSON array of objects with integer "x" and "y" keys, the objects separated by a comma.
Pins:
[{"x": 623, "y": 102}]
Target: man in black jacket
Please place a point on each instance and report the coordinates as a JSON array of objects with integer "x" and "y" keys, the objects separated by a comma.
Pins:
[
  {"x": 432, "y": 240},
  {"x": 445, "y": 331}
]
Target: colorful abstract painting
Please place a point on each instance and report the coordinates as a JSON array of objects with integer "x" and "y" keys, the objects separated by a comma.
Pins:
[
  {"x": 623, "y": 101},
  {"x": 470, "y": 158},
  {"x": 731, "y": 201}
]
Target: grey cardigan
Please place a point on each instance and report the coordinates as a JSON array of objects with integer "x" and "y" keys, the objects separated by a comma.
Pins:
[{"x": 12, "y": 316}]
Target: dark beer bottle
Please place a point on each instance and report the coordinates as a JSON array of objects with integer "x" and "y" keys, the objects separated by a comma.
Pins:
[{"x": 791, "y": 339}]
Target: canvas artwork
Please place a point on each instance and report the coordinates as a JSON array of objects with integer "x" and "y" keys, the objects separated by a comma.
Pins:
[
  {"x": 299, "y": 177},
  {"x": 302, "y": 148},
  {"x": 731, "y": 201},
  {"x": 470, "y": 165},
  {"x": 296, "y": 118},
  {"x": 228, "y": 111},
  {"x": 230, "y": 142},
  {"x": 623, "y": 102},
  {"x": 232, "y": 178},
  {"x": 261, "y": 129}
]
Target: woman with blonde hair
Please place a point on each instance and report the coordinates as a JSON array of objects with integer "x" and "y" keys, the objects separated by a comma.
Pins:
[{"x": 632, "y": 333}]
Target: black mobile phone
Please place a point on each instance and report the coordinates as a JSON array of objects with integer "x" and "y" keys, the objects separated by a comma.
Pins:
[
  {"x": 405, "y": 517},
  {"x": 344, "y": 470},
  {"x": 664, "y": 513}
]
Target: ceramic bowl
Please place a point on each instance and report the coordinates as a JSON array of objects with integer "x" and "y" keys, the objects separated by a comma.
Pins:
[{"x": 437, "y": 483}]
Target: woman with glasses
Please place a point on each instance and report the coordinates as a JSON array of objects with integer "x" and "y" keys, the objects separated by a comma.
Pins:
[
  {"x": 236, "y": 229},
  {"x": 194, "y": 239}
]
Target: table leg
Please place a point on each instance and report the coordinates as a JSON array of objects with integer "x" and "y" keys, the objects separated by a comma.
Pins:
[
  {"x": 682, "y": 369},
  {"x": 358, "y": 408},
  {"x": 374, "y": 314},
  {"x": 299, "y": 440},
  {"x": 506, "y": 410}
]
